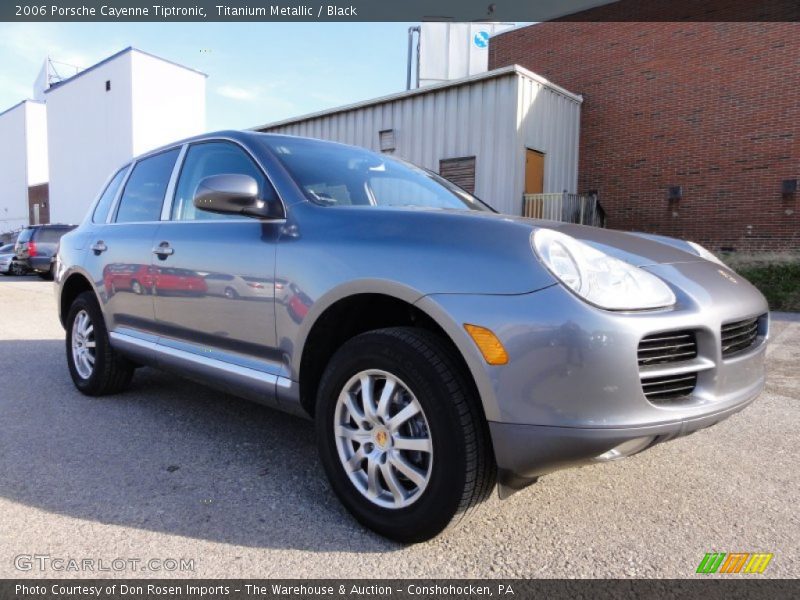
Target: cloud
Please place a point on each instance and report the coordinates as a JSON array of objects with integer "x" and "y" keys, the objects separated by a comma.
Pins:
[{"x": 233, "y": 92}]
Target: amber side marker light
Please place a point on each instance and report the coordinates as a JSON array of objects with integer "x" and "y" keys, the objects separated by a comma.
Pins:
[{"x": 487, "y": 342}]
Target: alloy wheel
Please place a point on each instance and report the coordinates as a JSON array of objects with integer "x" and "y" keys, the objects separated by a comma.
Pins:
[
  {"x": 83, "y": 344},
  {"x": 383, "y": 439}
]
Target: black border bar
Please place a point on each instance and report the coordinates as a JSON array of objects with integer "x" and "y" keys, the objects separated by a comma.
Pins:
[
  {"x": 705, "y": 587},
  {"x": 398, "y": 10}
]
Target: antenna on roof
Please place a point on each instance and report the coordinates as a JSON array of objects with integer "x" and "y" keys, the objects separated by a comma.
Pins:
[
  {"x": 55, "y": 73},
  {"x": 52, "y": 72}
]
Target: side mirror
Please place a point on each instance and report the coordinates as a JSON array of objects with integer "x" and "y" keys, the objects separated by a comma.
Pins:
[{"x": 232, "y": 194}]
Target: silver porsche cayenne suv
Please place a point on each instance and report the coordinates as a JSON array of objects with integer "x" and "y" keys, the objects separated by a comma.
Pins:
[{"x": 441, "y": 348}]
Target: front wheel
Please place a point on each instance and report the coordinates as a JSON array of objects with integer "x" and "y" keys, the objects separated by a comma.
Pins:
[
  {"x": 95, "y": 367},
  {"x": 401, "y": 434}
]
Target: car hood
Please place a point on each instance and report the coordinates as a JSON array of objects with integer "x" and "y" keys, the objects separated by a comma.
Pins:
[{"x": 638, "y": 249}]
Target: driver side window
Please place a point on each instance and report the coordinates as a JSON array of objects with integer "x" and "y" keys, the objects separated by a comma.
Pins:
[{"x": 207, "y": 159}]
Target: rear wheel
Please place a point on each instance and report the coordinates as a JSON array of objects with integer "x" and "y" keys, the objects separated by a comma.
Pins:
[
  {"x": 95, "y": 367},
  {"x": 136, "y": 287},
  {"x": 401, "y": 435}
]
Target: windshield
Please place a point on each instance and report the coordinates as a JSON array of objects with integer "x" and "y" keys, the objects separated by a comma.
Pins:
[
  {"x": 337, "y": 175},
  {"x": 7, "y": 248}
]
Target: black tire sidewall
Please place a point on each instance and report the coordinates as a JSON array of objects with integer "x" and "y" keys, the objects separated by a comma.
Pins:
[
  {"x": 87, "y": 302},
  {"x": 437, "y": 505}
]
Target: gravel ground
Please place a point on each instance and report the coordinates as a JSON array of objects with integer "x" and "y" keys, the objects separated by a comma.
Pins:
[{"x": 171, "y": 469}]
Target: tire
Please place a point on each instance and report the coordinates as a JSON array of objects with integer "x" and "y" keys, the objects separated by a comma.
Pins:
[
  {"x": 16, "y": 269},
  {"x": 137, "y": 288},
  {"x": 230, "y": 293},
  {"x": 459, "y": 469},
  {"x": 109, "y": 372},
  {"x": 46, "y": 275}
]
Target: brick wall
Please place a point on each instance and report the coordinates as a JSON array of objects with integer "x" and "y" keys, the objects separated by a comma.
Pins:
[{"x": 711, "y": 107}]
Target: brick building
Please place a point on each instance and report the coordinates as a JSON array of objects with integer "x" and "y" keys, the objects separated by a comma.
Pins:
[{"x": 689, "y": 129}]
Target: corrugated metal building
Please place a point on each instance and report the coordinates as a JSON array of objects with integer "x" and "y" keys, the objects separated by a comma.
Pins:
[{"x": 500, "y": 134}]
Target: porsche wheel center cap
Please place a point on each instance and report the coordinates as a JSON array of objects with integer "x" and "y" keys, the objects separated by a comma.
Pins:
[{"x": 382, "y": 438}]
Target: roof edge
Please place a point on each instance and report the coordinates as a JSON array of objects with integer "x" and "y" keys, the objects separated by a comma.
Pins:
[
  {"x": 20, "y": 103},
  {"x": 116, "y": 55},
  {"x": 495, "y": 73}
]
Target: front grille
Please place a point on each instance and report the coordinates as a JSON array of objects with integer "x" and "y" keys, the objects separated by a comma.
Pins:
[
  {"x": 668, "y": 347},
  {"x": 739, "y": 336},
  {"x": 669, "y": 388}
]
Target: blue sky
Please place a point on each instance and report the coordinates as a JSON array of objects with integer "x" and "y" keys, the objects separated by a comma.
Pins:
[{"x": 258, "y": 72}]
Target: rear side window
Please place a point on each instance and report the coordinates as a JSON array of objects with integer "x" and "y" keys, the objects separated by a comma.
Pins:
[
  {"x": 144, "y": 192},
  {"x": 25, "y": 235},
  {"x": 104, "y": 204}
]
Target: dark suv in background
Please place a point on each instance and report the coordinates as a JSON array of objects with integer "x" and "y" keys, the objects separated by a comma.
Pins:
[{"x": 37, "y": 246}]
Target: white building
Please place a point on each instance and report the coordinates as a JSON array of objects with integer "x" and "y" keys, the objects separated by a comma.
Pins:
[
  {"x": 501, "y": 133},
  {"x": 23, "y": 165},
  {"x": 448, "y": 51},
  {"x": 100, "y": 118}
]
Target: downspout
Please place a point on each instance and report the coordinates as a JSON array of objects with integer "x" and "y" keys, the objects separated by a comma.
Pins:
[{"x": 411, "y": 31}]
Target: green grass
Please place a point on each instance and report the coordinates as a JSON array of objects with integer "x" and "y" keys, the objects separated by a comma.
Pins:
[{"x": 776, "y": 275}]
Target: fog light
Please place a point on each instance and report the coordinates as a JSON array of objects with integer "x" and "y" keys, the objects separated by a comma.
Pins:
[{"x": 626, "y": 449}]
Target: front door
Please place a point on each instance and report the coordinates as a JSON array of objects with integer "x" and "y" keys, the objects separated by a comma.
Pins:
[{"x": 213, "y": 275}]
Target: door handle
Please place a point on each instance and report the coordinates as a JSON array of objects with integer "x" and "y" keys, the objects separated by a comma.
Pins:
[
  {"x": 163, "y": 250},
  {"x": 99, "y": 247}
]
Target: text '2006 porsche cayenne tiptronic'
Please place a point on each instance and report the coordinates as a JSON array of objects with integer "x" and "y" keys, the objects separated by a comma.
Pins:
[{"x": 442, "y": 349}]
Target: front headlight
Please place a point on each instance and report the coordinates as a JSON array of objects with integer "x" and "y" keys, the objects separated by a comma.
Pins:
[
  {"x": 704, "y": 253},
  {"x": 598, "y": 278}
]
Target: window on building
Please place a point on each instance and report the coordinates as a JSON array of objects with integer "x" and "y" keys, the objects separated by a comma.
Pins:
[
  {"x": 144, "y": 192},
  {"x": 100, "y": 214},
  {"x": 460, "y": 171},
  {"x": 386, "y": 140},
  {"x": 207, "y": 159}
]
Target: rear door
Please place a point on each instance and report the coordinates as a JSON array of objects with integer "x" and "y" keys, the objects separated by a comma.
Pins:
[{"x": 121, "y": 243}]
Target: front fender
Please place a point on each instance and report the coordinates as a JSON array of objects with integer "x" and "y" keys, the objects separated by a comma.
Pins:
[{"x": 293, "y": 335}]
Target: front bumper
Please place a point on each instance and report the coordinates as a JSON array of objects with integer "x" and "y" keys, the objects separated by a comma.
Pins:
[
  {"x": 572, "y": 390},
  {"x": 525, "y": 452}
]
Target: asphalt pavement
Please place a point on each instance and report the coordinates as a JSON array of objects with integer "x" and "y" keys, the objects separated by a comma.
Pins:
[{"x": 173, "y": 470}]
